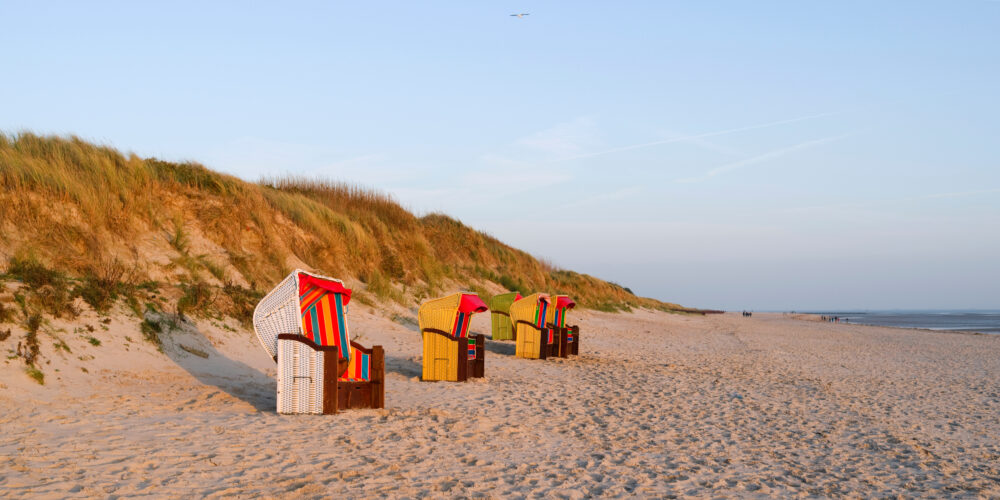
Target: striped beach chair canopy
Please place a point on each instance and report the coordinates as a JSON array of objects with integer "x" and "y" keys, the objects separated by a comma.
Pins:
[
  {"x": 557, "y": 316},
  {"x": 557, "y": 313},
  {"x": 312, "y": 305},
  {"x": 534, "y": 309},
  {"x": 451, "y": 314}
]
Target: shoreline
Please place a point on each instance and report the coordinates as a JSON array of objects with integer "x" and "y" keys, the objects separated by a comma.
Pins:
[{"x": 813, "y": 317}]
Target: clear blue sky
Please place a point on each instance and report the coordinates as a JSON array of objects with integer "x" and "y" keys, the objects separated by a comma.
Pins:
[{"x": 766, "y": 155}]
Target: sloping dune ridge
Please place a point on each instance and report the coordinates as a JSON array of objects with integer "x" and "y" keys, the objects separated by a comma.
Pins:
[
  {"x": 140, "y": 225},
  {"x": 657, "y": 405}
]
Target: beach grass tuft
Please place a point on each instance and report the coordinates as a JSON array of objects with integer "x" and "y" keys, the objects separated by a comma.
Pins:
[{"x": 35, "y": 374}]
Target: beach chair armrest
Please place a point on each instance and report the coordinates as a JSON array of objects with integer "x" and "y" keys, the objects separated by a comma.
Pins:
[
  {"x": 362, "y": 348},
  {"x": 312, "y": 345},
  {"x": 439, "y": 332},
  {"x": 341, "y": 361},
  {"x": 530, "y": 324}
]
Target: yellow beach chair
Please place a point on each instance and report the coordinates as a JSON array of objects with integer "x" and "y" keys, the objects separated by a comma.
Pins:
[
  {"x": 450, "y": 353},
  {"x": 302, "y": 324},
  {"x": 569, "y": 335},
  {"x": 533, "y": 339},
  {"x": 502, "y": 328}
]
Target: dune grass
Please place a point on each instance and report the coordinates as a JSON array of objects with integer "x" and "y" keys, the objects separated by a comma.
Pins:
[{"x": 76, "y": 216}]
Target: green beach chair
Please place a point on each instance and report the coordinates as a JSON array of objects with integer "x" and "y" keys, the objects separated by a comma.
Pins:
[{"x": 503, "y": 328}]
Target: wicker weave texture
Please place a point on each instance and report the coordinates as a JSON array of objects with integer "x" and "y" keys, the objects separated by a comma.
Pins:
[
  {"x": 278, "y": 312},
  {"x": 502, "y": 328},
  {"x": 300, "y": 378},
  {"x": 529, "y": 340}
]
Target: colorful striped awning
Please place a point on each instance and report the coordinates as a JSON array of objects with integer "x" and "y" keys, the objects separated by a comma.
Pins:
[{"x": 322, "y": 303}]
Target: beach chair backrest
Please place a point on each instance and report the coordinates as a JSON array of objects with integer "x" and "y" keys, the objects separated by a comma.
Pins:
[
  {"x": 532, "y": 310},
  {"x": 311, "y": 305},
  {"x": 557, "y": 316},
  {"x": 323, "y": 304},
  {"x": 541, "y": 312},
  {"x": 501, "y": 326},
  {"x": 561, "y": 304}
]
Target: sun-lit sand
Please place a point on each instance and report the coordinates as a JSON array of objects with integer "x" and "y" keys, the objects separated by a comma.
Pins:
[{"x": 656, "y": 405}]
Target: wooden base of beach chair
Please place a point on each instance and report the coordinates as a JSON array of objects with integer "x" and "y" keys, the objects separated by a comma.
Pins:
[
  {"x": 457, "y": 349},
  {"x": 568, "y": 347},
  {"x": 309, "y": 378},
  {"x": 546, "y": 349},
  {"x": 477, "y": 367},
  {"x": 345, "y": 395},
  {"x": 574, "y": 346},
  {"x": 557, "y": 348},
  {"x": 552, "y": 350},
  {"x": 355, "y": 395}
]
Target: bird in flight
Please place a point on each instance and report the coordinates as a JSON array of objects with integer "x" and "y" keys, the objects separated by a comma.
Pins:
[{"x": 521, "y": 15}]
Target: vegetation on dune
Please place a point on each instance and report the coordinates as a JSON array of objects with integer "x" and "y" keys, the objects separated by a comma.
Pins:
[{"x": 85, "y": 221}]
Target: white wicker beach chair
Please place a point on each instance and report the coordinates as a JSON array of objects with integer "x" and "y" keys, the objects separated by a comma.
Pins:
[{"x": 302, "y": 325}]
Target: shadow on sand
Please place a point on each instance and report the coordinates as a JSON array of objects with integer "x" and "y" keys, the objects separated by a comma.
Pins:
[
  {"x": 192, "y": 351},
  {"x": 403, "y": 366},
  {"x": 495, "y": 346}
]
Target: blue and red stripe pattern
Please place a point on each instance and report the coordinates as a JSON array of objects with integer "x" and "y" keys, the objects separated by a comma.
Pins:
[
  {"x": 359, "y": 367},
  {"x": 543, "y": 307},
  {"x": 461, "y": 330},
  {"x": 323, "y": 318}
]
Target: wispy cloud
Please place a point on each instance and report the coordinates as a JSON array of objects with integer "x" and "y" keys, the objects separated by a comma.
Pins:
[
  {"x": 603, "y": 198},
  {"x": 761, "y": 158},
  {"x": 567, "y": 138},
  {"x": 703, "y": 143},
  {"x": 889, "y": 201},
  {"x": 688, "y": 138}
]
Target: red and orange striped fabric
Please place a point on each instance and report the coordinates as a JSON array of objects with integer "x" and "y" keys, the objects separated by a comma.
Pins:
[
  {"x": 323, "y": 318},
  {"x": 358, "y": 368}
]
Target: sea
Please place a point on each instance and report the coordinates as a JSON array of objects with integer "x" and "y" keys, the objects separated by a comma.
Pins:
[{"x": 982, "y": 321}]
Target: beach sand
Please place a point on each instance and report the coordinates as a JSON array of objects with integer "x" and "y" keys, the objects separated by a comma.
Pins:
[{"x": 656, "y": 405}]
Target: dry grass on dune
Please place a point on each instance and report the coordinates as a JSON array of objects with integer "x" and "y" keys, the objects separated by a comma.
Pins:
[{"x": 92, "y": 214}]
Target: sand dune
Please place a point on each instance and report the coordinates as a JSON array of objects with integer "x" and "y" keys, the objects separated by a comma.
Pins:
[{"x": 657, "y": 405}]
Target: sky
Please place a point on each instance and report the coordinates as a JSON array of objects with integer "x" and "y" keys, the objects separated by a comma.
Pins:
[{"x": 767, "y": 155}]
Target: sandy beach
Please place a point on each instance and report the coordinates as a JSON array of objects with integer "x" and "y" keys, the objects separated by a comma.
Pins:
[{"x": 657, "y": 405}]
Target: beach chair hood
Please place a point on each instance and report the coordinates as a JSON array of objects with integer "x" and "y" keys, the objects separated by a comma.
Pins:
[
  {"x": 451, "y": 313},
  {"x": 311, "y": 305},
  {"x": 557, "y": 313},
  {"x": 502, "y": 302},
  {"x": 533, "y": 309}
]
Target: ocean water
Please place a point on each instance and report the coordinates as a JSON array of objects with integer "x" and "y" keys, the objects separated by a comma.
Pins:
[{"x": 946, "y": 320}]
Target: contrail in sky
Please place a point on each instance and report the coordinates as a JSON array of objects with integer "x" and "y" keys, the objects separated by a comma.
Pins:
[
  {"x": 934, "y": 196},
  {"x": 761, "y": 158},
  {"x": 698, "y": 136}
]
